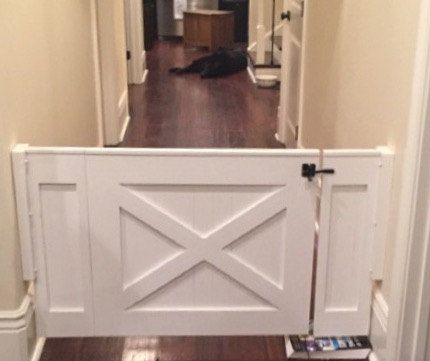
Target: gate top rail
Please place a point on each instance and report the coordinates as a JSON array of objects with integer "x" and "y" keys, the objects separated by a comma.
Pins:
[{"x": 177, "y": 152}]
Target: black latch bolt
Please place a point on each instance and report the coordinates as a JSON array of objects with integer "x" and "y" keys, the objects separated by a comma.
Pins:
[{"x": 309, "y": 171}]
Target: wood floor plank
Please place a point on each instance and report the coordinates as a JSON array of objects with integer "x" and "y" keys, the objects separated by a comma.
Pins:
[
  {"x": 166, "y": 349},
  {"x": 190, "y": 112}
]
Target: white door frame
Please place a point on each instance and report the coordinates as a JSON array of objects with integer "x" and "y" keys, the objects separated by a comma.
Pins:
[
  {"x": 134, "y": 25},
  {"x": 408, "y": 322},
  {"x": 285, "y": 132},
  {"x": 106, "y": 74},
  {"x": 97, "y": 75},
  {"x": 113, "y": 109}
]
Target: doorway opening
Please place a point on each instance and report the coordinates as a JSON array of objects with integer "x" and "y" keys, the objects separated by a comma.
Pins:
[{"x": 233, "y": 111}]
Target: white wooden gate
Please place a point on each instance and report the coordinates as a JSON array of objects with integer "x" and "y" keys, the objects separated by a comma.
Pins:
[{"x": 195, "y": 242}]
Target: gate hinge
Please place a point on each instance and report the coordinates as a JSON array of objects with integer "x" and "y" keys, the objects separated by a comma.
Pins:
[
  {"x": 128, "y": 54},
  {"x": 309, "y": 171}
]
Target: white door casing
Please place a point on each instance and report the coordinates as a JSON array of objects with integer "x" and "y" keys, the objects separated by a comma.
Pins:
[
  {"x": 293, "y": 46},
  {"x": 201, "y": 244},
  {"x": 134, "y": 27}
]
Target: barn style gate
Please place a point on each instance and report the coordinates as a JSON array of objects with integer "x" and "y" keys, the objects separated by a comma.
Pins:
[{"x": 200, "y": 242}]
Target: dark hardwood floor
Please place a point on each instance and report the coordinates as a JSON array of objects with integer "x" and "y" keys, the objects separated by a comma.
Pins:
[
  {"x": 186, "y": 111},
  {"x": 166, "y": 349}
]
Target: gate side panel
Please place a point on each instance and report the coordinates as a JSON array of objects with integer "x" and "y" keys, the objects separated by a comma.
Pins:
[
  {"x": 58, "y": 198},
  {"x": 195, "y": 244},
  {"x": 346, "y": 237}
]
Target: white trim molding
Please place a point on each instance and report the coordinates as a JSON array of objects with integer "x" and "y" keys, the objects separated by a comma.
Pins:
[
  {"x": 380, "y": 308},
  {"x": 16, "y": 328},
  {"x": 408, "y": 269},
  {"x": 38, "y": 349},
  {"x": 144, "y": 70},
  {"x": 19, "y": 163},
  {"x": 17, "y": 319},
  {"x": 123, "y": 114},
  {"x": 382, "y": 212},
  {"x": 109, "y": 77},
  {"x": 98, "y": 96},
  {"x": 135, "y": 42},
  {"x": 378, "y": 326},
  {"x": 145, "y": 75},
  {"x": 251, "y": 75},
  {"x": 373, "y": 357}
]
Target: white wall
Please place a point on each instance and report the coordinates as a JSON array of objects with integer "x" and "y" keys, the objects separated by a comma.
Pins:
[
  {"x": 47, "y": 98},
  {"x": 47, "y": 86}
]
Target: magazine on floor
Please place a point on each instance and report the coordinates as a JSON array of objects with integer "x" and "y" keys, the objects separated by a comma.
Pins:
[{"x": 309, "y": 347}]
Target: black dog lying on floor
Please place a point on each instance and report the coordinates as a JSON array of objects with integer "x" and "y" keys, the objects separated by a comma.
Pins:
[{"x": 221, "y": 63}]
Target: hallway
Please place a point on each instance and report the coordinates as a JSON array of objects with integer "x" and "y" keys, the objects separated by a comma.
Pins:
[
  {"x": 167, "y": 349},
  {"x": 186, "y": 111}
]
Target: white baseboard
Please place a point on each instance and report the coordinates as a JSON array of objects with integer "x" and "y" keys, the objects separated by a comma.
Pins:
[
  {"x": 16, "y": 333},
  {"x": 251, "y": 75},
  {"x": 145, "y": 75},
  {"x": 380, "y": 308},
  {"x": 373, "y": 357},
  {"x": 123, "y": 114},
  {"x": 124, "y": 129},
  {"x": 19, "y": 318},
  {"x": 378, "y": 326},
  {"x": 38, "y": 349},
  {"x": 141, "y": 72}
]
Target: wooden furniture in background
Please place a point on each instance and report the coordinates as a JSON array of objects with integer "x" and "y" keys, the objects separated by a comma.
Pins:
[{"x": 209, "y": 28}]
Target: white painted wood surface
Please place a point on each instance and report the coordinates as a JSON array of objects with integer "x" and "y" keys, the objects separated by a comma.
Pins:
[
  {"x": 346, "y": 236},
  {"x": 201, "y": 245},
  {"x": 58, "y": 196},
  {"x": 291, "y": 75},
  {"x": 20, "y": 162},
  {"x": 136, "y": 65},
  {"x": 203, "y": 241},
  {"x": 385, "y": 180}
]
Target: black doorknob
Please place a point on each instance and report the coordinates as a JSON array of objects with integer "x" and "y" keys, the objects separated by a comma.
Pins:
[{"x": 286, "y": 15}]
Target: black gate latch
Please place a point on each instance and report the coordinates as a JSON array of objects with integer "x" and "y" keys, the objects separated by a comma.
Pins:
[{"x": 309, "y": 171}]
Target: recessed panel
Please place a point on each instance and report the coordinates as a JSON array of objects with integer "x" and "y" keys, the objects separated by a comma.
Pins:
[
  {"x": 202, "y": 208},
  {"x": 204, "y": 288},
  {"x": 62, "y": 239},
  {"x": 347, "y": 236},
  {"x": 144, "y": 248},
  {"x": 263, "y": 249}
]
